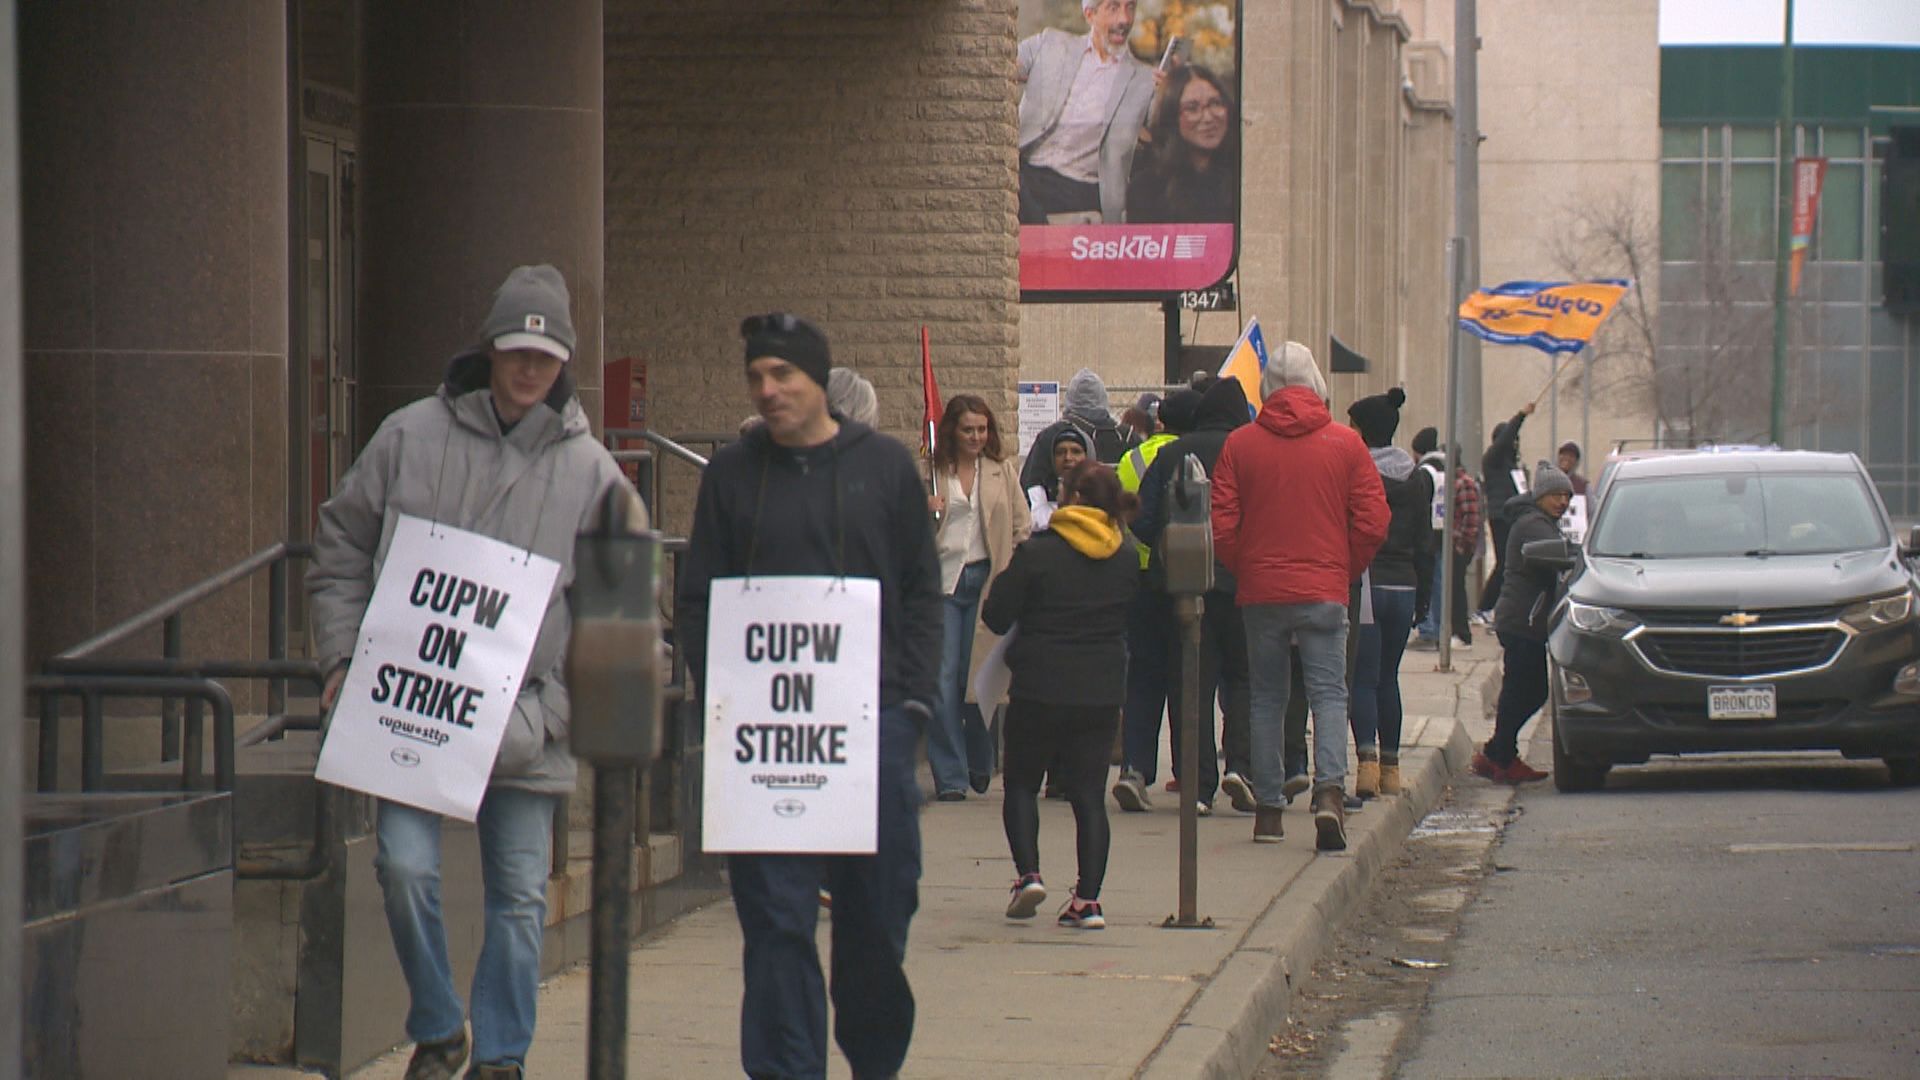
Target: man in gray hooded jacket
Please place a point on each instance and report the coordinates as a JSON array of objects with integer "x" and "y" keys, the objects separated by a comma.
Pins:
[{"x": 503, "y": 449}]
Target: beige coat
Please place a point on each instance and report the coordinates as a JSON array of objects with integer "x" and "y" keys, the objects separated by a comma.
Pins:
[{"x": 1006, "y": 520}]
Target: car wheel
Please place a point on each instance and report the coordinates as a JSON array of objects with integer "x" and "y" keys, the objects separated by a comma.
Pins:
[
  {"x": 1574, "y": 774},
  {"x": 1903, "y": 771}
]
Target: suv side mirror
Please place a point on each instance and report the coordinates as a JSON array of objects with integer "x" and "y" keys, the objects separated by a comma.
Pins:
[
  {"x": 1913, "y": 542},
  {"x": 1559, "y": 553}
]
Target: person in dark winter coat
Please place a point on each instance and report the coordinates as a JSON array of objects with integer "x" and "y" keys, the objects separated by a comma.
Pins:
[
  {"x": 1496, "y": 471},
  {"x": 1223, "y": 637},
  {"x": 1066, "y": 591},
  {"x": 1085, "y": 410},
  {"x": 811, "y": 493},
  {"x": 1522, "y": 622},
  {"x": 1400, "y": 586}
]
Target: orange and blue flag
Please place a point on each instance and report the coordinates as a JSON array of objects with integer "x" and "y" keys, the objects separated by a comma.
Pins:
[
  {"x": 1552, "y": 316},
  {"x": 1245, "y": 361}
]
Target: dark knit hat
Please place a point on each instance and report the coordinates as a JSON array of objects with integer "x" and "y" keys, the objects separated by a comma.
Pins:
[
  {"x": 530, "y": 311},
  {"x": 1178, "y": 410},
  {"x": 1425, "y": 441},
  {"x": 1377, "y": 417},
  {"x": 1069, "y": 433},
  {"x": 790, "y": 338}
]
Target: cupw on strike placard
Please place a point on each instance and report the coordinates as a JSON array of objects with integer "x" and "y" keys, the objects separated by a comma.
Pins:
[
  {"x": 443, "y": 648},
  {"x": 793, "y": 716}
]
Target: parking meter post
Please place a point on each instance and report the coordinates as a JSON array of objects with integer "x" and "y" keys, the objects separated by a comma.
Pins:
[
  {"x": 612, "y": 925},
  {"x": 1186, "y": 550},
  {"x": 615, "y": 670},
  {"x": 1189, "y": 610}
]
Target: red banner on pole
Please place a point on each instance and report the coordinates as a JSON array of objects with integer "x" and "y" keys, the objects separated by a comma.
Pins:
[
  {"x": 930, "y": 420},
  {"x": 1808, "y": 173}
]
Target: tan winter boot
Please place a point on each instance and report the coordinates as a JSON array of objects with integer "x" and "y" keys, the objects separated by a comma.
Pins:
[
  {"x": 1366, "y": 777},
  {"x": 1390, "y": 775}
]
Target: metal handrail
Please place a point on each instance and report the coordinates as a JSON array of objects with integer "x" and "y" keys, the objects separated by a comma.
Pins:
[
  {"x": 186, "y": 598},
  {"x": 90, "y": 688}
]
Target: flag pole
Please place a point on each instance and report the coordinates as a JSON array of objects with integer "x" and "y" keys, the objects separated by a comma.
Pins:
[{"x": 927, "y": 420}]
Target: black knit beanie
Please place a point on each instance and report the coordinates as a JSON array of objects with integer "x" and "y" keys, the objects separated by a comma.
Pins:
[
  {"x": 790, "y": 338},
  {"x": 1377, "y": 417}
]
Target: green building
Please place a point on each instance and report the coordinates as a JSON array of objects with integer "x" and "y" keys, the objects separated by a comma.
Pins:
[{"x": 1854, "y": 368}]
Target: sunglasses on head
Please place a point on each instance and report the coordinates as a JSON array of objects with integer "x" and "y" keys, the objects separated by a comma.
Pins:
[{"x": 778, "y": 322}]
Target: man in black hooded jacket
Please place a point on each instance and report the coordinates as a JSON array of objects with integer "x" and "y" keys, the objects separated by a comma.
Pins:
[
  {"x": 1496, "y": 481},
  {"x": 810, "y": 492},
  {"x": 1223, "y": 638}
]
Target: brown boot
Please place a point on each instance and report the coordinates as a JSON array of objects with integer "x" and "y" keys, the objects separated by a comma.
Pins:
[
  {"x": 1389, "y": 775},
  {"x": 1329, "y": 819},
  {"x": 1366, "y": 777},
  {"x": 1266, "y": 825}
]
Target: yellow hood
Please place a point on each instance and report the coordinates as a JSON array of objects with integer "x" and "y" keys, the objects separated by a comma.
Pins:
[{"x": 1091, "y": 532}]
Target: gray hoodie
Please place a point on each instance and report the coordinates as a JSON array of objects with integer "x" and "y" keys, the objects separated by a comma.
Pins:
[{"x": 445, "y": 458}]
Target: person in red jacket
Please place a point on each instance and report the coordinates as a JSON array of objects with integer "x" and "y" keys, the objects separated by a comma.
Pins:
[{"x": 1298, "y": 512}]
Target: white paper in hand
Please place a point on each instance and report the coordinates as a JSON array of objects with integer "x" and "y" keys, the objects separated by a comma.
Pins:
[{"x": 994, "y": 680}]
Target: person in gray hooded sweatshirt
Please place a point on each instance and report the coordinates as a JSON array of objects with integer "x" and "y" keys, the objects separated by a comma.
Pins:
[
  {"x": 502, "y": 449},
  {"x": 1087, "y": 412}
]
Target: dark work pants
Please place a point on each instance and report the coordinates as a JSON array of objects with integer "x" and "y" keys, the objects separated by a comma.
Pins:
[
  {"x": 1462, "y": 622},
  {"x": 1043, "y": 192},
  {"x": 1223, "y": 674},
  {"x": 1078, "y": 739},
  {"x": 1523, "y": 689},
  {"x": 1150, "y": 641},
  {"x": 1490, "y": 595},
  {"x": 783, "y": 1017}
]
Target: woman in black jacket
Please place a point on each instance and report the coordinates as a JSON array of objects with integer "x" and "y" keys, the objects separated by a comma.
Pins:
[
  {"x": 1067, "y": 590},
  {"x": 1522, "y": 621},
  {"x": 1400, "y": 584}
]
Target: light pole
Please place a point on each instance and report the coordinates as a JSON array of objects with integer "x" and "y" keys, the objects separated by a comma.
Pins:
[{"x": 1783, "y": 242}]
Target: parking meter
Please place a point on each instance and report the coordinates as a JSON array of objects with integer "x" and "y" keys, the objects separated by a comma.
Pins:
[
  {"x": 615, "y": 662},
  {"x": 615, "y": 668},
  {"x": 1186, "y": 546},
  {"x": 1186, "y": 550}
]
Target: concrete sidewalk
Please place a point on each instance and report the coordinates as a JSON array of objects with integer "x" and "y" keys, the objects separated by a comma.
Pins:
[{"x": 999, "y": 998}]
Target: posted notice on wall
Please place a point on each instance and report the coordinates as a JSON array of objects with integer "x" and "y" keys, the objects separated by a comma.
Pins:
[
  {"x": 1039, "y": 406},
  {"x": 443, "y": 647},
  {"x": 793, "y": 716}
]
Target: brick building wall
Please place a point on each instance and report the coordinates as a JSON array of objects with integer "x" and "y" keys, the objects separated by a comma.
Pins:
[{"x": 853, "y": 161}]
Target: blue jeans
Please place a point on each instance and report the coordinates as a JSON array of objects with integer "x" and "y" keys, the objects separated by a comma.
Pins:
[
  {"x": 959, "y": 744},
  {"x": 1150, "y": 639},
  {"x": 516, "y": 834},
  {"x": 1320, "y": 632},
  {"x": 1376, "y": 675},
  {"x": 783, "y": 1015},
  {"x": 1429, "y": 627}
]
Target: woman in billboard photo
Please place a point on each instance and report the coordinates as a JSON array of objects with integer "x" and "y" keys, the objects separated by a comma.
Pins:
[{"x": 1189, "y": 171}]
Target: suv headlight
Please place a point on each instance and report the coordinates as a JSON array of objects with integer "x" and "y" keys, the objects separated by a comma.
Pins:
[
  {"x": 1600, "y": 620},
  {"x": 1879, "y": 612}
]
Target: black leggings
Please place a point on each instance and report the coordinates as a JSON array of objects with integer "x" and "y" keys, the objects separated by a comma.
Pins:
[{"x": 1078, "y": 741}]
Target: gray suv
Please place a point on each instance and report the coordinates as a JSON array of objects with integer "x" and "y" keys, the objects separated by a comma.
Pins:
[{"x": 1725, "y": 601}]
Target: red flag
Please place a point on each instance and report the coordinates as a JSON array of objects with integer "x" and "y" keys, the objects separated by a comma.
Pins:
[{"x": 932, "y": 390}]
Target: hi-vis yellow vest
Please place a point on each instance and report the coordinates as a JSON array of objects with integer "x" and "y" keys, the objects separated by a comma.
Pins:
[{"x": 1133, "y": 469}]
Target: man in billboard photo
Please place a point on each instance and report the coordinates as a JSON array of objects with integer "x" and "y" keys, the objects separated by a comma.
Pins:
[{"x": 1084, "y": 103}]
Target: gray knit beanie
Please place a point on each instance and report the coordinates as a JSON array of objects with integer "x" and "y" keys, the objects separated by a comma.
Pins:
[
  {"x": 1548, "y": 480},
  {"x": 531, "y": 311}
]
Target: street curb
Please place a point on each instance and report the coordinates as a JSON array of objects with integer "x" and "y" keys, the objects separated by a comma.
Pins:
[{"x": 1224, "y": 1032}]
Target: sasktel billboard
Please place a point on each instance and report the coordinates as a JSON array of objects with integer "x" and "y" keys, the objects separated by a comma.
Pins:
[{"x": 1129, "y": 147}]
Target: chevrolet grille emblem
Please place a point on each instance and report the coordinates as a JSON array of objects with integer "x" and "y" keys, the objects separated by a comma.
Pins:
[{"x": 1739, "y": 619}]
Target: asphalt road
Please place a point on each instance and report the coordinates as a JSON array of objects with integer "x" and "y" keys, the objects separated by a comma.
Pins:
[{"x": 1738, "y": 916}]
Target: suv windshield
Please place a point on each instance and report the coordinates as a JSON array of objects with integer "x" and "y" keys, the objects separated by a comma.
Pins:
[{"x": 1733, "y": 514}]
